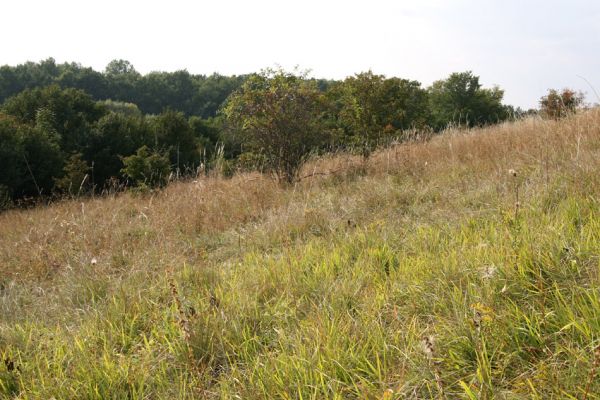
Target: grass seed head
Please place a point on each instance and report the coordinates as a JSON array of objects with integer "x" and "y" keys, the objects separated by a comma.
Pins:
[
  {"x": 488, "y": 272},
  {"x": 427, "y": 342}
]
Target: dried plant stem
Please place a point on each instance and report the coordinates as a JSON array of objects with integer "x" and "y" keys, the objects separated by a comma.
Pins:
[
  {"x": 517, "y": 201},
  {"x": 593, "y": 371},
  {"x": 183, "y": 321},
  {"x": 428, "y": 347},
  {"x": 438, "y": 380}
]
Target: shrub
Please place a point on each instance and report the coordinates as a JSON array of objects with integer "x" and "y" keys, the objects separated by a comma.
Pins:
[
  {"x": 280, "y": 116},
  {"x": 557, "y": 105},
  {"x": 147, "y": 168},
  {"x": 75, "y": 178}
]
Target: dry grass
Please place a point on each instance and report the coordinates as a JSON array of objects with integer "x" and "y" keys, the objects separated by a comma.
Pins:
[
  {"x": 208, "y": 231},
  {"x": 189, "y": 220}
]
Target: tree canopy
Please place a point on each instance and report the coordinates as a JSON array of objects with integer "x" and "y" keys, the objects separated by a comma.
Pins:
[
  {"x": 374, "y": 108},
  {"x": 199, "y": 95},
  {"x": 460, "y": 100}
]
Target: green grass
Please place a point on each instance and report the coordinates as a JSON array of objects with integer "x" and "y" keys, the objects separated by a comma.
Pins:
[{"x": 304, "y": 305}]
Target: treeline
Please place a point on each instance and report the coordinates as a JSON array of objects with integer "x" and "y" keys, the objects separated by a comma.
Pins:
[
  {"x": 198, "y": 95},
  {"x": 55, "y": 141},
  {"x": 66, "y": 129}
]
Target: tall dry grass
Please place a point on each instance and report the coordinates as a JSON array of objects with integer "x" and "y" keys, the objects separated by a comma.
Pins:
[{"x": 39, "y": 243}]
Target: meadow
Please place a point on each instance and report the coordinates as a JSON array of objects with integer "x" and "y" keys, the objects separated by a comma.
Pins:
[{"x": 464, "y": 266}]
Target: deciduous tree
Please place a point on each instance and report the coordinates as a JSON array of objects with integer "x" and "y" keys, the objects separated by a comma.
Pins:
[
  {"x": 279, "y": 116},
  {"x": 559, "y": 104},
  {"x": 461, "y": 100}
]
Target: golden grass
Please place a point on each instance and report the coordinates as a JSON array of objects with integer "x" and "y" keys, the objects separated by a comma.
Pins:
[{"x": 38, "y": 243}]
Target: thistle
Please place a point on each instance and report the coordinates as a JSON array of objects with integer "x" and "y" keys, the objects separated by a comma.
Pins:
[
  {"x": 428, "y": 345},
  {"x": 488, "y": 272}
]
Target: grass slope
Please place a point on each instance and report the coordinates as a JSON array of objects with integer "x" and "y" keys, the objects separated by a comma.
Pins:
[{"x": 429, "y": 272}]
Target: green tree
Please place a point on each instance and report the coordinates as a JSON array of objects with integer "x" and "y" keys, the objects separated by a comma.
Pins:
[
  {"x": 157, "y": 91},
  {"x": 213, "y": 91},
  {"x": 461, "y": 100},
  {"x": 361, "y": 112},
  {"x": 26, "y": 76},
  {"x": 74, "y": 75},
  {"x": 207, "y": 133},
  {"x": 43, "y": 160},
  {"x": 70, "y": 112},
  {"x": 173, "y": 133},
  {"x": 121, "y": 107},
  {"x": 122, "y": 80},
  {"x": 374, "y": 108},
  {"x": 114, "y": 136},
  {"x": 279, "y": 116},
  {"x": 192, "y": 94},
  {"x": 30, "y": 158},
  {"x": 120, "y": 67},
  {"x": 12, "y": 166}
]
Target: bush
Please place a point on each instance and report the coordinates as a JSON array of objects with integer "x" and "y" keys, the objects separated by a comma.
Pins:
[
  {"x": 280, "y": 116},
  {"x": 75, "y": 179},
  {"x": 557, "y": 105},
  {"x": 146, "y": 168},
  {"x": 373, "y": 109}
]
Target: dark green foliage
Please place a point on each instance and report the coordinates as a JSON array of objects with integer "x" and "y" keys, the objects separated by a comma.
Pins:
[
  {"x": 279, "y": 117},
  {"x": 43, "y": 161},
  {"x": 460, "y": 100},
  {"x": 213, "y": 90},
  {"x": 121, "y": 107},
  {"x": 54, "y": 138},
  {"x": 114, "y": 136},
  {"x": 372, "y": 109},
  {"x": 25, "y": 76},
  {"x": 69, "y": 112},
  {"x": 207, "y": 133},
  {"x": 76, "y": 76},
  {"x": 147, "y": 168},
  {"x": 198, "y": 95},
  {"x": 30, "y": 158},
  {"x": 159, "y": 90},
  {"x": 11, "y": 156},
  {"x": 122, "y": 80},
  {"x": 173, "y": 133}
]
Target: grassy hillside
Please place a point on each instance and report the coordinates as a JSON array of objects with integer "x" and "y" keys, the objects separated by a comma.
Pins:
[{"x": 463, "y": 267}]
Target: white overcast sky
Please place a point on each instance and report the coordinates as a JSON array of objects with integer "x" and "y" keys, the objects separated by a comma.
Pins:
[{"x": 524, "y": 46}]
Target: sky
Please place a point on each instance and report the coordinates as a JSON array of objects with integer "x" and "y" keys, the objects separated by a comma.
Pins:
[{"x": 524, "y": 46}]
